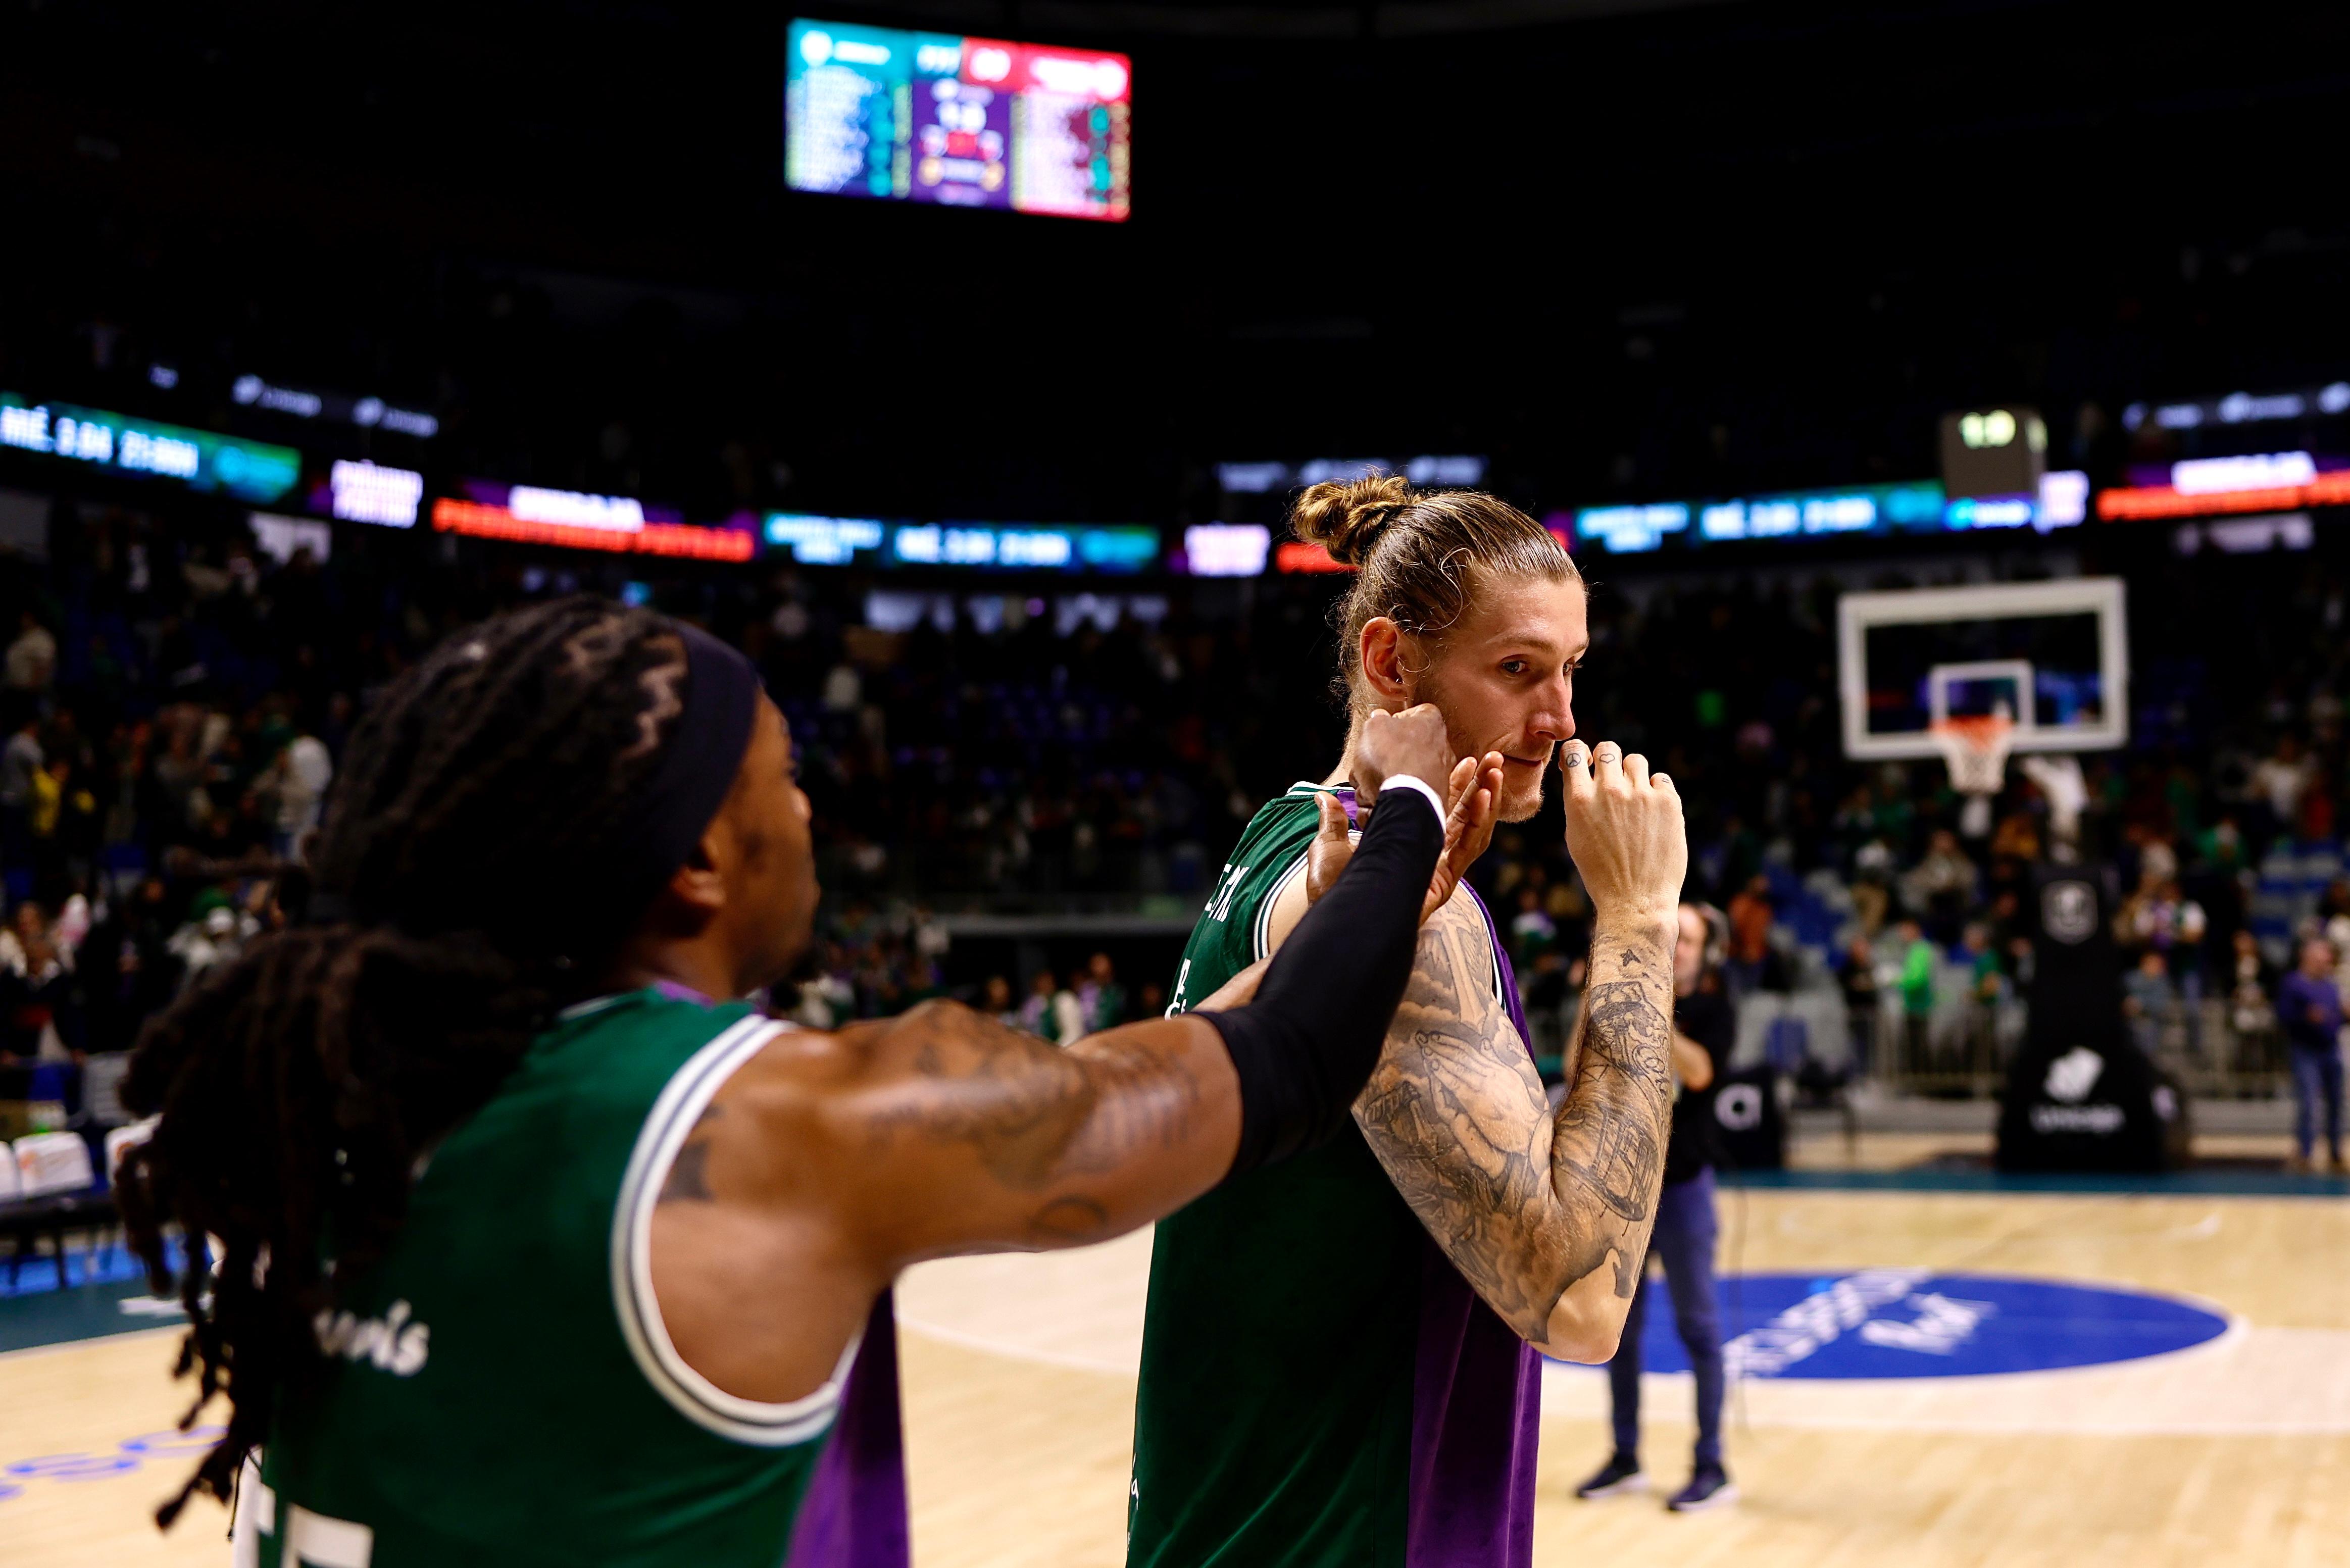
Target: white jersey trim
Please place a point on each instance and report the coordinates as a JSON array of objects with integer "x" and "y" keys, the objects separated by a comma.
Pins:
[
  {"x": 1261, "y": 932},
  {"x": 687, "y": 1095},
  {"x": 1261, "y": 928}
]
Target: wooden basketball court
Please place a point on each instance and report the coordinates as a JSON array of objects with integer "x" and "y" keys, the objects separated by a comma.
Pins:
[{"x": 1020, "y": 1390}]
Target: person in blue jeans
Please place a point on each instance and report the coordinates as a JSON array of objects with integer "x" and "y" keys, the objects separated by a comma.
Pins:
[
  {"x": 2309, "y": 1011},
  {"x": 1705, "y": 1028}
]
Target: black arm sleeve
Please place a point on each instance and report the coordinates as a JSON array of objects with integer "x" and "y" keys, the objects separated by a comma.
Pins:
[{"x": 1304, "y": 1048}]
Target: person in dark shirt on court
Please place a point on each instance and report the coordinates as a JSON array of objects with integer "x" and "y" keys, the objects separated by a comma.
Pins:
[
  {"x": 1705, "y": 1029},
  {"x": 2309, "y": 1011}
]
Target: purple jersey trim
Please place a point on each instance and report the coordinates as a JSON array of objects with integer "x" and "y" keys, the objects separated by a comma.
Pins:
[
  {"x": 854, "y": 1515},
  {"x": 1476, "y": 1394},
  {"x": 1476, "y": 1407}
]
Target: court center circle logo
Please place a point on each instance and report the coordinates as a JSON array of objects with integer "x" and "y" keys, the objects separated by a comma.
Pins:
[{"x": 1916, "y": 1322}]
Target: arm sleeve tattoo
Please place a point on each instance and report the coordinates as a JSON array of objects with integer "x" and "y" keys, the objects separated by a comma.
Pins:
[
  {"x": 1526, "y": 1202},
  {"x": 1044, "y": 1147}
]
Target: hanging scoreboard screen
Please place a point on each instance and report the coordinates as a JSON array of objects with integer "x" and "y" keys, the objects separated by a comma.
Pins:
[{"x": 964, "y": 122}]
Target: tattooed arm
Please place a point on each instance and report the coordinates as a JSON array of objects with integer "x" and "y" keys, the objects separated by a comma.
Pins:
[
  {"x": 1021, "y": 1145},
  {"x": 1545, "y": 1215},
  {"x": 831, "y": 1161}
]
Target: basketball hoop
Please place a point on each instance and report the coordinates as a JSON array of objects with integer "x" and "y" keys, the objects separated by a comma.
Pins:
[{"x": 1975, "y": 746}]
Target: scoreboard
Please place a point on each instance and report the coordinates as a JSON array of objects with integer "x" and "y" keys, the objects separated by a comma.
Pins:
[{"x": 901, "y": 116}]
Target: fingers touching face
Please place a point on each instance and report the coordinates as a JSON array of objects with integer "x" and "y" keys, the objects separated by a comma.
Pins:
[
  {"x": 1463, "y": 771},
  {"x": 1475, "y": 775}
]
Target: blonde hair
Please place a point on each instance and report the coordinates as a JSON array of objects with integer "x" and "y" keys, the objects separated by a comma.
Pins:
[{"x": 1416, "y": 551}]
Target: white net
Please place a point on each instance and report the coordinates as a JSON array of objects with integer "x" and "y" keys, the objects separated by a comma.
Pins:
[{"x": 1975, "y": 751}]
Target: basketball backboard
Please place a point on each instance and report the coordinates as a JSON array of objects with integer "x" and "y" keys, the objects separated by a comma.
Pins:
[{"x": 2052, "y": 657}]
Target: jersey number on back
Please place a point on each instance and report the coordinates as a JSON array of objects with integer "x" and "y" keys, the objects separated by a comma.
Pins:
[
  {"x": 308, "y": 1540},
  {"x": 1221, "y": 906}
]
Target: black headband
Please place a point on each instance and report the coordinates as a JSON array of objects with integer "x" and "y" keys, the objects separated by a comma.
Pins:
[{"x": 666, "y": 814}]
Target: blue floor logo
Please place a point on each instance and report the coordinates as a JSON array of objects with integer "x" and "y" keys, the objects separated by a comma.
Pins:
[{"x": 1913, "y": 1322}]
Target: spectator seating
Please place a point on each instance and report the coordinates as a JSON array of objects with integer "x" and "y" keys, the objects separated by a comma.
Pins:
[
  {"x": 50, "y": 1163},
  {"x": 122, "y": 1140},
  {"x": 50, "y": 1191}
]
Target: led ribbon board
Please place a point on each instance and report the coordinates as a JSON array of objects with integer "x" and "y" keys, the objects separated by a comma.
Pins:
[
  {"x": 1866, "y": 509},
  {"x": 530, "y": 514},
  {"x": 2211, "y": 486},
  {"x": 1305, "y": 556},
  {"x": 1874, "y": 509},
  {"x": 1224, "y": 550},
  {"x": 1035, "y": 547},
  {"x": 1004, "y": 547},
  {"x": 368, "y": 492},
  {"x": 901, "y": 116},
  {"x": 201, "y": 459},
  {"x": 1629, "y": 530},
  {"x": 2328, "y": 401},
  {"x": 825, "y": 541}
]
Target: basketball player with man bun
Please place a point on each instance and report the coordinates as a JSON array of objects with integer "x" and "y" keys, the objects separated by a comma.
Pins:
[
  {"x": 537, "y": 1248},
  {"x": 1339, "y": 1364}
]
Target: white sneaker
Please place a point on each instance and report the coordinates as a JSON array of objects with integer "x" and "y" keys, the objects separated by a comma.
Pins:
[{"x": 1615, "y": 1479}]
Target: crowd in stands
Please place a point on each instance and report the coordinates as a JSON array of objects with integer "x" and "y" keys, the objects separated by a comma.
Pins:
[{"x": 175, "y": 700}]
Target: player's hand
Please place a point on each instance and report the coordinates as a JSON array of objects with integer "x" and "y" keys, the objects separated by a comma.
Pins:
[
  {"x": 1624, "y": 829},
  {"x": 1474, "y": 790},
  {"x": 1237, "y": 992},
  {"x": 1413, "y": 741}
]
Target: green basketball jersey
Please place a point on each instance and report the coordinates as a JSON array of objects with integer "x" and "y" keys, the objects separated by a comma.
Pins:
[
  {"x": 1235, "y": 928},
  {"x": 499, "y": 1389},
  {"x": 1320, "y": 1389}
]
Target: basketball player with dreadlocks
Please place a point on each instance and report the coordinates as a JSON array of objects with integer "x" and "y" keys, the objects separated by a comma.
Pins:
[
  {"x": 534, "y": 1249},
  {"x": 1339, "y": 1366}
]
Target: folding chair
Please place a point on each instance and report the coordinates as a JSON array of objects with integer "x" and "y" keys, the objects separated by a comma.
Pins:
[{"x": 55, "y": 1192}]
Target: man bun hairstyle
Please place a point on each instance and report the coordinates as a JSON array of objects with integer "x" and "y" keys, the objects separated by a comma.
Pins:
[
  {"x": 1420, "y": 557},
  {"x": 1347, "y": 517},
  {"x": 458, "y": 901}
]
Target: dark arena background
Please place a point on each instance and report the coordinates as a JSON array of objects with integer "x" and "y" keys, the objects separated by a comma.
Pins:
[{"x": 328, "y": 331}]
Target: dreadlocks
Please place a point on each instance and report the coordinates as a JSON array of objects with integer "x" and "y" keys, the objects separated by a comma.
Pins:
[{"x": 457, "y": 878}]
